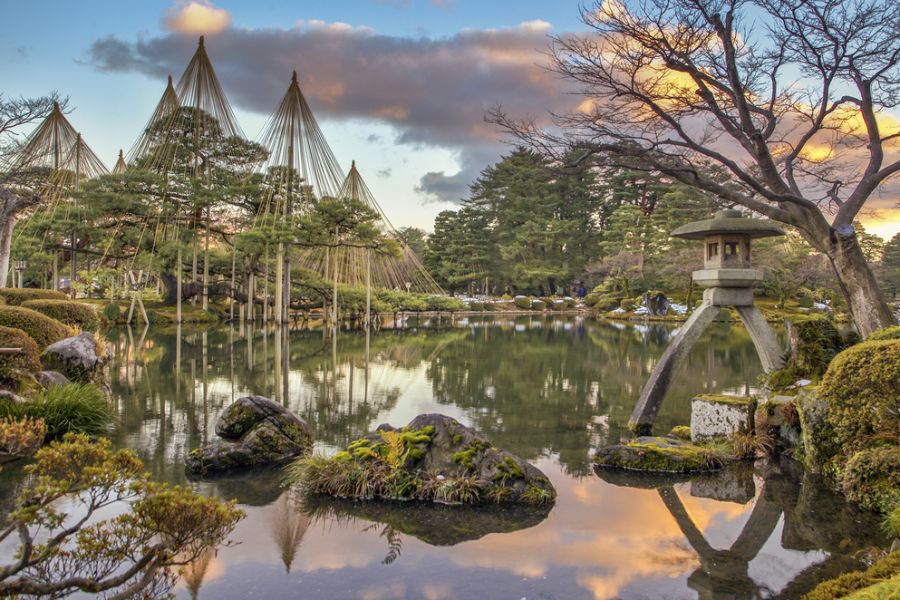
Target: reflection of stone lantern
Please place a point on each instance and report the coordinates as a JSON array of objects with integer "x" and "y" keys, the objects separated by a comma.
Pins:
[
  {"x": 728, "y": 281},
  {"x": 20, "y": 266}
]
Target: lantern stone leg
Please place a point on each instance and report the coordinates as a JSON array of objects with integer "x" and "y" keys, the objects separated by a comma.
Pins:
[
  {"x": 767, "y": 346},
  {"x": 657, "y": 385}
]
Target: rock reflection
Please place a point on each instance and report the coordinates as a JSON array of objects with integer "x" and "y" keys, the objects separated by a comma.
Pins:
[{"x": 434, "y": 525}]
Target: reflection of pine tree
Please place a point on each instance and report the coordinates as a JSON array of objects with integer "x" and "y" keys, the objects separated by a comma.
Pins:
[
  {"x": 289, "y": 525},
  {"x": 194, "y": 572}
]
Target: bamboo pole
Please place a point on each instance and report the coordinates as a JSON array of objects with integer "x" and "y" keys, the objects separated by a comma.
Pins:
[
  {"x": 279, "y": 284},
  {"x": 73, "y": 239},
  {"x": 206, "y": 263},
  {"x": 233, "y": 267},
  {"x": 334, "y": 305},
  {"x": 251, "y": 293}
]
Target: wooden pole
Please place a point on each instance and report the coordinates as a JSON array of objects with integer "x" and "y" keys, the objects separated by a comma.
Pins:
[
  {"x": 233, "y": 267},
  {"x": 73, "y": 240},
  {"x": 368, "y": 286},
  {"x": 206, "y": 263},
  {"x": 178, "y": 277},
  {"x": 55, "y": 284},
  {"x": 279, "y": 284},
  {"x": 251, "y": 293},
  {"x": 334, "y": 304}
]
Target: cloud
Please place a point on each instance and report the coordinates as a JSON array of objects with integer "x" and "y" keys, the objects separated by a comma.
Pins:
[
  {"x": 386, "y": 172},
  {"x": 197, "y": 17},
  {"x": 432, "y": 91}
]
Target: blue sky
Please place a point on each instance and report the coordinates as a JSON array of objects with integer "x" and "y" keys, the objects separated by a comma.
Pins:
[{"x": 51, "y": 48}]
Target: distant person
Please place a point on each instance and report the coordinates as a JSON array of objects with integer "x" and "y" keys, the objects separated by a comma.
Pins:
[{"x": 582, "y": 292}]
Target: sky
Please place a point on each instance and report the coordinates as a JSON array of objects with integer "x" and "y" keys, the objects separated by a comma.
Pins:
[{"x": 400, "y": 86}]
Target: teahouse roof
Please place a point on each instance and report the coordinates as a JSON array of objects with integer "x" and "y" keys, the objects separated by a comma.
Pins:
[{"x": 727, "y": 222}]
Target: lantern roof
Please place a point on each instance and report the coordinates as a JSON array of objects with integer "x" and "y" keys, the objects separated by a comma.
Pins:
[{"x": 728, "y": 222}]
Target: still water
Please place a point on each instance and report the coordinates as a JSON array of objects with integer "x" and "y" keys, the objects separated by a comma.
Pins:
[{"x": 549, "y": 389}]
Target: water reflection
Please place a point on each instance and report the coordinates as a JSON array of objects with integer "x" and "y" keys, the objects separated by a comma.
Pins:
[{"x": 549, "y": 389}]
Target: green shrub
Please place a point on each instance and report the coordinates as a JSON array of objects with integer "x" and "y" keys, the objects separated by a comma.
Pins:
[
  {"x": 78, "y": 408},
  {"x": 112, "y": 312},
  {"x": 815, "y": 341},
  {"x": 888, "y": 333},
  {"x": 16, "y": 296},
  {"x": 626, "y": 303},
  {"x": 41, "y": 328},
  {"x": 77, "y": 314},
  {"x": 861, "y": 388},
  {"x": 444, "y": 303},
  {"x": 28, "y": 360},
  {"x": 871, "y": 478},
  {"x": 538, "y": 305},
  {"x": 522, "y": 302},
  {"x": 604, "y": 302},
  {"x": 892, "y": 522},
  {"x": 805, "y": 302},
  {"x": 883, "y": 571}
]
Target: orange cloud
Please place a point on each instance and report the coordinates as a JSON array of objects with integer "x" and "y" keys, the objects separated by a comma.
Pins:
[{"x": 197, "y": 17}]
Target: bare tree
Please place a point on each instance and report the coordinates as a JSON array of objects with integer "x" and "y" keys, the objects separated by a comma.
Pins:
[
  {"x": 16, "y": 113},
  {"x": 786, "y": 95}
]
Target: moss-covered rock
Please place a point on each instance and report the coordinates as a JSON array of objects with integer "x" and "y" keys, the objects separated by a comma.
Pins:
[
  {"x": 777, "y": 426},
  {"x": 434, "y": 459},
  {"x": 662, "y": 454},
  {"x": 888, "y": 333},
  {"x": 814, "y": 341},
  {"x": 76, "y": 314},
  {"x": 16, "y": 296},
  {"x": 81, "y": 358},
  {"x": 871, "y": 478},
  {"x": 255, "y": 432},
  {"x": 13, "y": 365},
  {"x": 880, "y": 581},
  {"x": 39, "y": 327},
  {"x": 861, "y": 389}
]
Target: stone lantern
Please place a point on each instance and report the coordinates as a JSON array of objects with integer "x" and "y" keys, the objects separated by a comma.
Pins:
[{"x": 728, "y": 280}]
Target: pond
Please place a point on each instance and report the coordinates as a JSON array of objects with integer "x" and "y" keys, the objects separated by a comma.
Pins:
[{"x": 549, "y": 389}]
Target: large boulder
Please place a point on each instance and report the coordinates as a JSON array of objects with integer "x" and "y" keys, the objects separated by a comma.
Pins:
[
  {"x": 434, "y": 458},
  {"x": 79, "y": 358},
  {"x": 255, "y": 432}
]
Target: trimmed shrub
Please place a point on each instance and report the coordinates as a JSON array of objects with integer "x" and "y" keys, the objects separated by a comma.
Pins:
[
  {"x": 29, "y": 360},
  {"x": 538, "y": 305},
  {"x": 112, "y": 312},
  {"x": 78, "y": 408},
  {"x": 476, "y": 306},
  {"x": 861, "y": 388},
  {"x": 77, "y": 314},
  {"x": 41, "y": 328},
  {"x": 16, "y": 296},
  {"x": 871, "y": 478},
  {"x": 522, "y": 302},
  {"x": 444, "y": 303},
  {"x": 888, "y": 333},
  {"x": 805, "y": 302}
]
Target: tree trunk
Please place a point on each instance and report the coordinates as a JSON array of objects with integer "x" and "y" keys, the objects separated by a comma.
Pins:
[
  {"x": 6, "y": 230},
  {"x": 868, "y": 309}
]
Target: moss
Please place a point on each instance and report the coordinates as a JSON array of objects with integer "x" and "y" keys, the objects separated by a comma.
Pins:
[
  {"x": 41, "y": 328},
  {"x": 682, "y": 432},
  {"x": 726, "y": 399},
  {"x": 884, "y": 590},
  {"x": 12, "y": 364},
  {"x": 662, "y": 455},
  {"x": 16, "y": 296},
  {"x": 861, "y": 388},
  {"x": 815, "y": 341},
  {"x": 466, "y": 456},
  {"x": 456, "y": 439},
  {"x": 508, "y": 469},
  {"x": 888, "y": 333},
  {"x": 859, "y": 585},
  {"x": 892, "y": 522},
  {"x": 76, "y": 314},
  {"x": 871, "y": 478},
  {"x": 537, "y": 495}
]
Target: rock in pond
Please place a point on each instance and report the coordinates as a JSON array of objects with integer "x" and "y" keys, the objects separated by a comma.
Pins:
[
  {"x": 434, "y": 458},
  {"x": 79, "y": 358},
  {"x": 255, "y": 432},
  {"x": 719, "y": 415},
  {"x": 660, "y": 455}
]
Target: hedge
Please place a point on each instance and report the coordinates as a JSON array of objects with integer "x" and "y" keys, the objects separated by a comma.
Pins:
[
  {"x": 77, "y": 314},
  {"x": 28, "y": 360},
  {"x": 16, "y": 296},
  {"x": 41, "y": 328}
]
